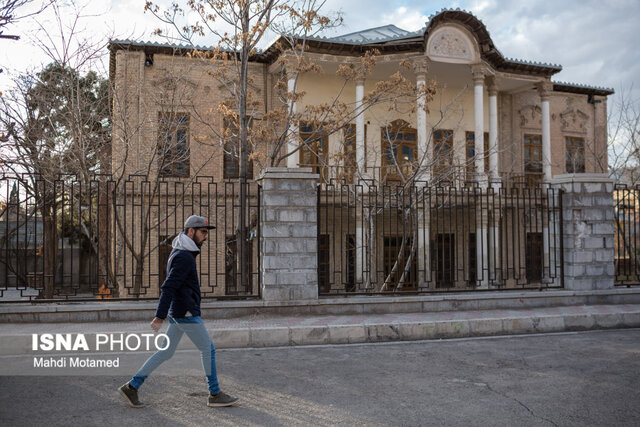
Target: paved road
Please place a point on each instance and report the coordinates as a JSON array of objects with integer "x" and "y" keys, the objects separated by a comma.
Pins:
[{"x": 568, "y": 379}]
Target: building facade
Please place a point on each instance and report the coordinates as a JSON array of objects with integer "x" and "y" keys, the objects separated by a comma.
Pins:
[{"x": 495, "y": 127}]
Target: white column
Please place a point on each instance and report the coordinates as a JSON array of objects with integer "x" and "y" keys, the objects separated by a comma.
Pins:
[
  {"x": 478, "y": 109},
  {"x": 360, "y": 162},
  {"x": 361, "y": 247},
  {"x": 482, "y": 251},
  {"x": 424, "y": 155},
  {"x": 482, "y": 235},
  {"x": 493, "y": 129},
  {"x": 425, "y": 160},
  {"x": 292, "y": 138},
  {"x": 544, "y": 88}
]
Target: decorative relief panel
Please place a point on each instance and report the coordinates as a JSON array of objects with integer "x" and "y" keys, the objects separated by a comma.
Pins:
[
  {"x": 574, "y": 120},
  {"x": 530, "y": 116},
  {"x": 453, "y": 45}
]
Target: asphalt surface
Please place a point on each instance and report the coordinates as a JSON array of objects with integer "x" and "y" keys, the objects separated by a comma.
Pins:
[{"x": 566, "y": 379}]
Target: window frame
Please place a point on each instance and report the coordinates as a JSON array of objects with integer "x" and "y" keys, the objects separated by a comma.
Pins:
[
  {"x": 571, "y": 152},
  {"x": 398, "y": 128},
  {"x": 229, "y": 158},
  {"x": 317, "y": 160},
  {"x": 470, "y": 140},
  {"x": 442, "y": 164},
  {"x": 170, "y": 125}
]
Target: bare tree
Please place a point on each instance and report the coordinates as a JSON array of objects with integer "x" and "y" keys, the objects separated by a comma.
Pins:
[
  {"x": 13, "y": 11},
  {"x": 55, "y": 124}
]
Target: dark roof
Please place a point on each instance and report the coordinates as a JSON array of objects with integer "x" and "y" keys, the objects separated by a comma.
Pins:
[{"x": 582, "y": 89}]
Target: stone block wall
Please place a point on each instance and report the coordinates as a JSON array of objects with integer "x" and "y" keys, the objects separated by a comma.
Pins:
[
  {"x": 588, "y": 229},
  {"x": 288, "y": 250}
]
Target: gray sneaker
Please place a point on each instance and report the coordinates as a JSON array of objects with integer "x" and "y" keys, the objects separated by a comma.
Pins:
[
  {"x": 221, "y": 399},
  {"x": 131, "y": 394}
]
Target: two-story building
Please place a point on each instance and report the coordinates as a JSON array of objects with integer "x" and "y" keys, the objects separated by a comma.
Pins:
[{"x": 496, "y": 126}]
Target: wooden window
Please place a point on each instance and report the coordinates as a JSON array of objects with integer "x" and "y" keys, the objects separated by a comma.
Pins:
[
  {"x": 314, "y": 150},
  {"x": 471, "y": 152},
  {"x": 533, "y": 153},
  {"x": 442, "y": 152},
  {"x": 575, "y": 154},
  {"x": 173, "y": 144},
  {"x": 532, "y": 160},
  {"x": 232, "y": 151},
  {"x": 350, "y": 161},
  {"x": 399, "y": 149}
]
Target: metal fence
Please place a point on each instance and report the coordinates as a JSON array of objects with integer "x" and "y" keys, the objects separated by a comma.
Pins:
[
  {"x": 380, "y": 239},
  {"x": 627, "y": 235},
  {"x": 95, "y": 238}
]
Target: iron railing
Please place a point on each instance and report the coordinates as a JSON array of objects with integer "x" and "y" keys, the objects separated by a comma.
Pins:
[
  {"x": 627, "y": 235},
  {"x": 411, "y": 239},
  {"x": 75, "y": 239}
]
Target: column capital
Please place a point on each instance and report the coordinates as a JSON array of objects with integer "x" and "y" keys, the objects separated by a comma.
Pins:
[
  {"x": 478, "y": 73},
  {"x": 492, "y": 87},
  {"x": 544, "y": 89},
  {"x": 420, "y": 66},
  {"x": 360, "y": 81}
]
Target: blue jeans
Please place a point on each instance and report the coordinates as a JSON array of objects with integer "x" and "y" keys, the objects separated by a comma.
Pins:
[{"x": 193, "y": 326}]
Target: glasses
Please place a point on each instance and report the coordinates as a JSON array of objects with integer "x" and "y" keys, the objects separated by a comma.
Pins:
[{"x": 203, "y": 230}]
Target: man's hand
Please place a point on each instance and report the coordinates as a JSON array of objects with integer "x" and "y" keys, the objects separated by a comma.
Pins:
[{"x": 156, "y": 323}]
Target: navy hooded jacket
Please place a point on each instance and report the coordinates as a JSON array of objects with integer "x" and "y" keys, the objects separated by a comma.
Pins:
[{"x": 180, "y": 291}]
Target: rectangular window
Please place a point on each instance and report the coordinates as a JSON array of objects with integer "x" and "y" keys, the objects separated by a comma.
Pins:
[
  {"x": 350, "y": 162},
  {"x": 442, "y": 152},
  {"x": 399, "y": 150},
  {"x": 314, "y": 151},
  {"x": 471, "y": 152},
  {"x": 533, "y": 153},
  {"x": 575, "y": 154},
  {"x": 173, "y": 144},
  {"x": 532, "y": 160},
  {"x": 232, "y": 151}
]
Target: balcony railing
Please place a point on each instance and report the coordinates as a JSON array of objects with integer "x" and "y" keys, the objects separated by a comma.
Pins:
[{"x": 453, "y": 176}]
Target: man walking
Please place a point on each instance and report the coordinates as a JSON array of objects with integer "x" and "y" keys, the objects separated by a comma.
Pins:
[{"x": 180, "y": 298}]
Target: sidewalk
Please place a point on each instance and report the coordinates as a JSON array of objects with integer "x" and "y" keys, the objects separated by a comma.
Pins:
[{"x": 293, "y": 330}]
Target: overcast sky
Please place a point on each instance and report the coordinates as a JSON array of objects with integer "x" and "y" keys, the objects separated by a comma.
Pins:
[{"x": 596, "y": 42}]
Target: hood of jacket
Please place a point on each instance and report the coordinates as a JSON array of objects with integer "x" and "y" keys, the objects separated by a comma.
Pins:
[{"x": 184, "y": 243}]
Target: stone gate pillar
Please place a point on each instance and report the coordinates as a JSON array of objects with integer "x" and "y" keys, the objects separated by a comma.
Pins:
[
  {"x": 588, "y": 230},
  {"x": 288, "y": 225}
]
